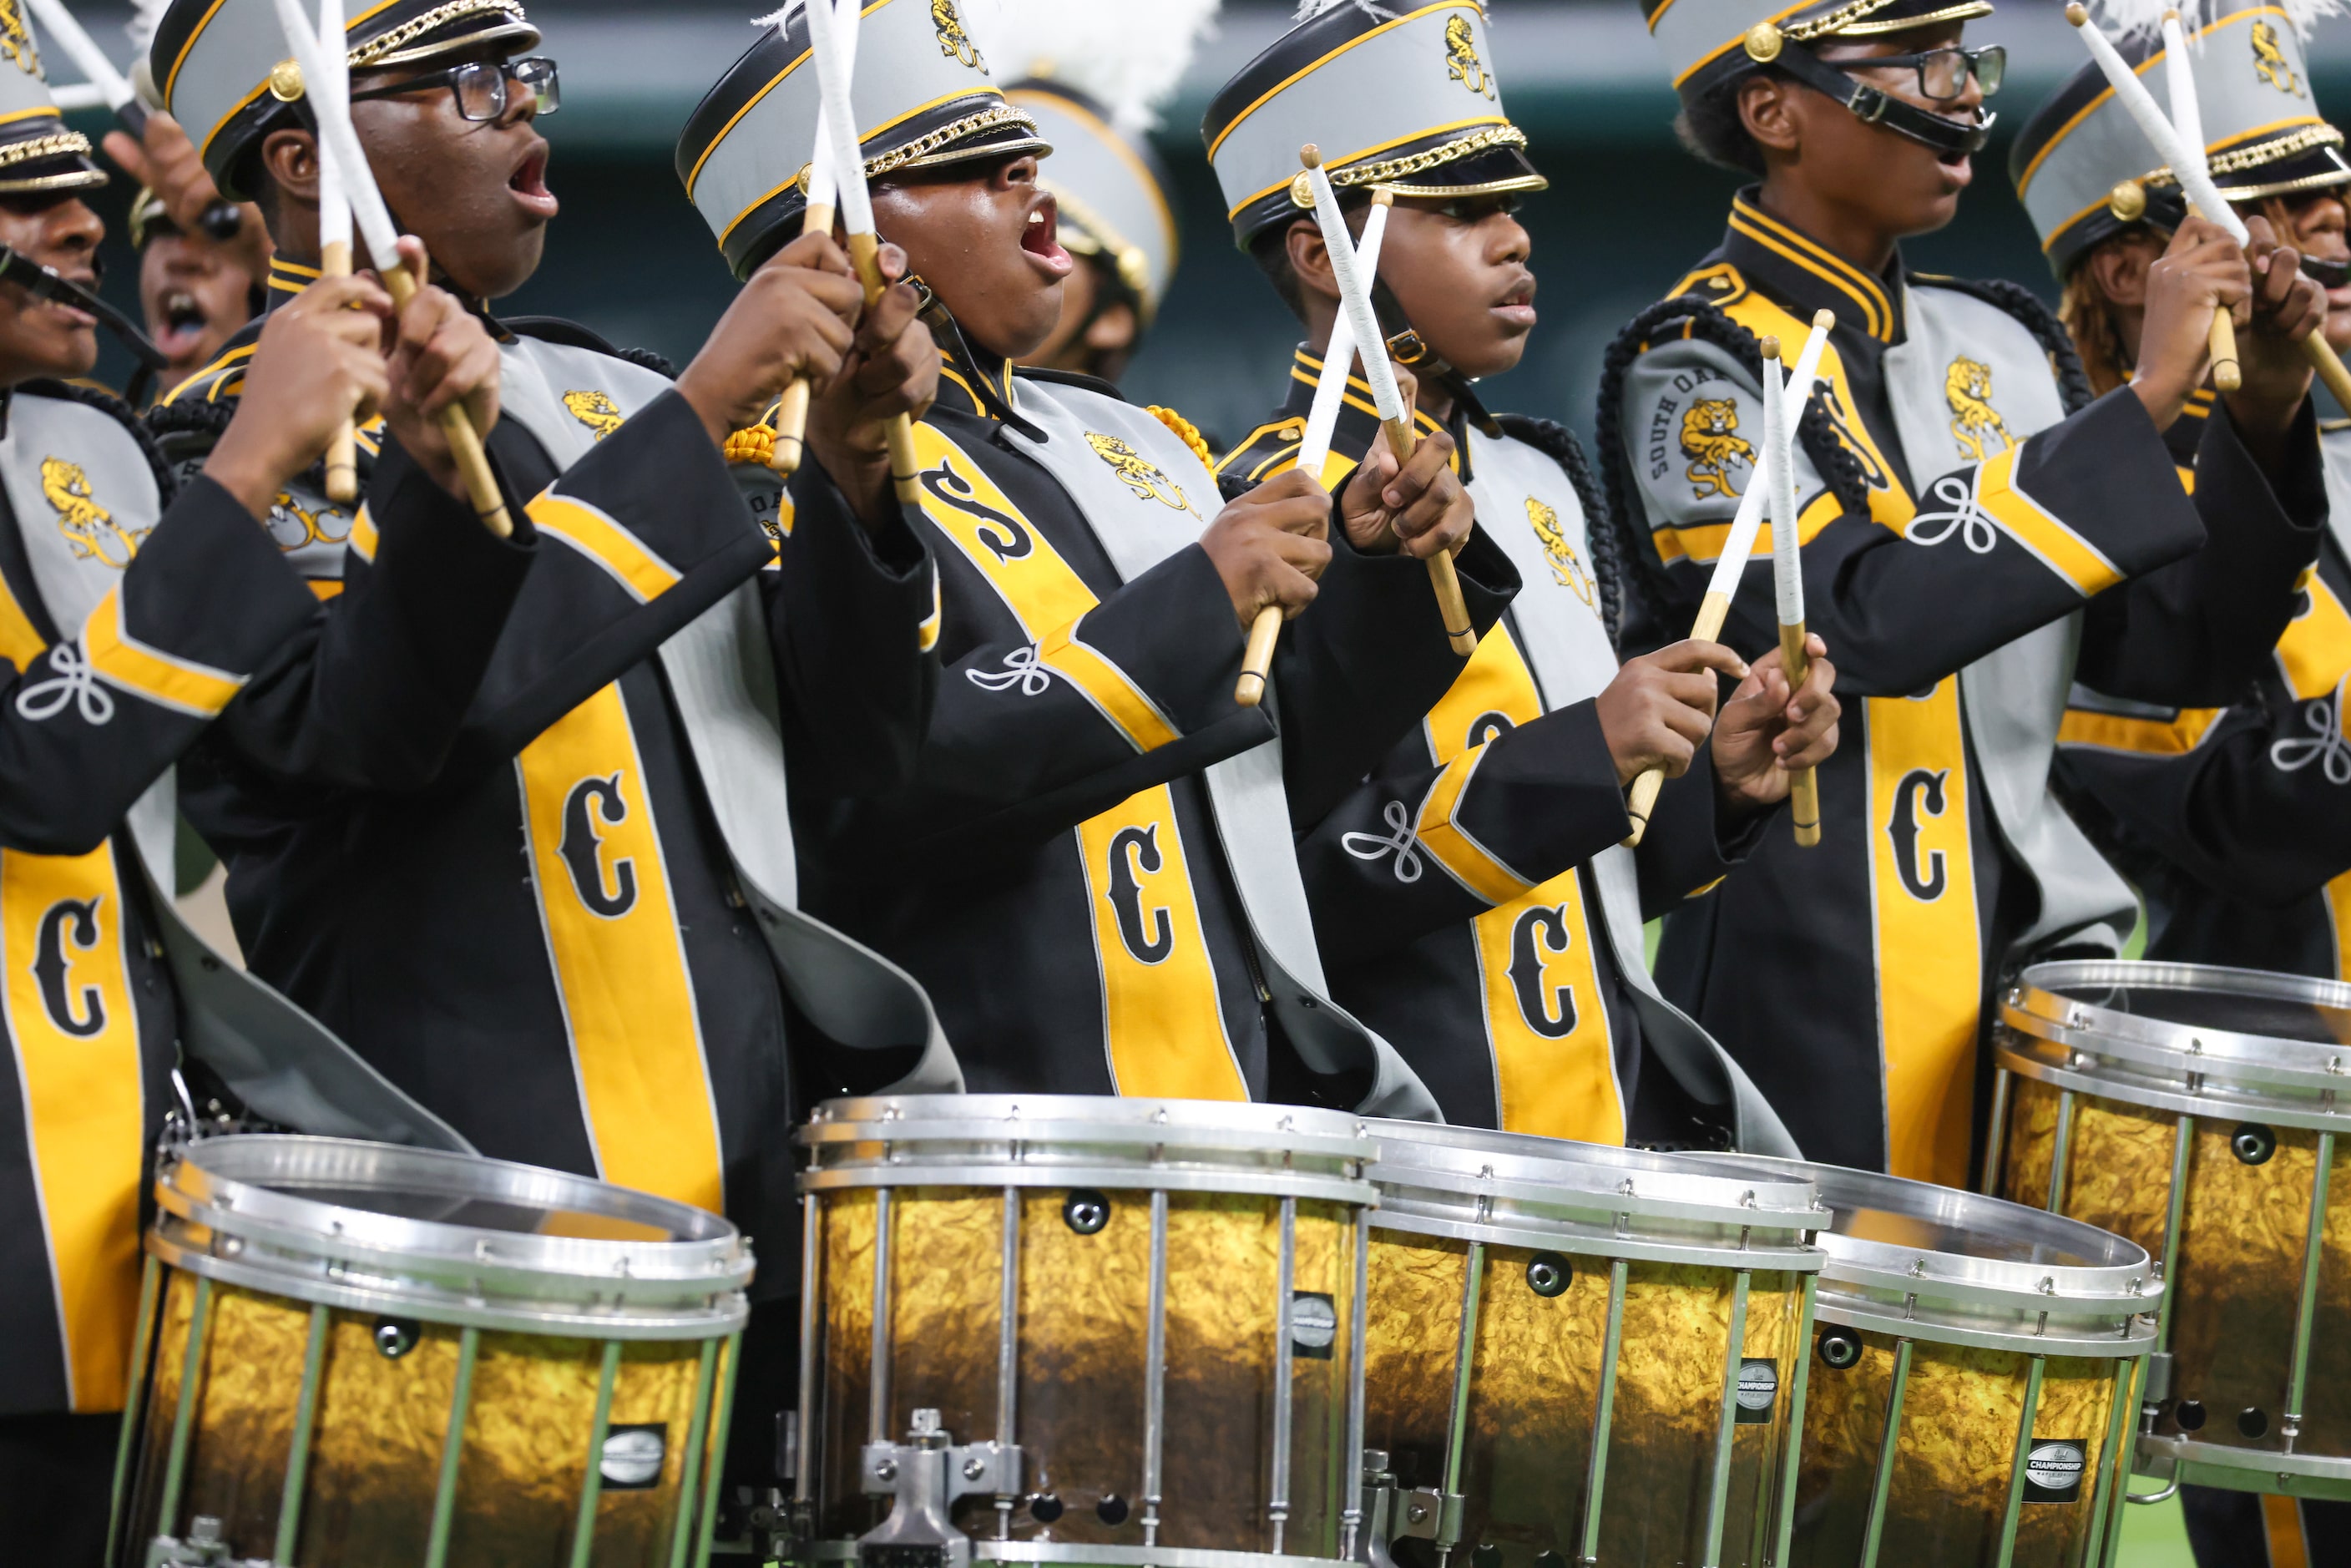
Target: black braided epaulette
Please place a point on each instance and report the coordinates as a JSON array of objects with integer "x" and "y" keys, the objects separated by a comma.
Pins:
[
  {"x": 1559, "y": 444},
  {"x": 2031, "y": 313},
  {"x": 1689, "y": 315},
  {"x": 123, "y": 414}
]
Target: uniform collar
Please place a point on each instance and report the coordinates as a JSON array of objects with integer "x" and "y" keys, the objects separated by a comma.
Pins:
[
  {"x": 1805, "y": 274},
  {"x": 1359, "y": 417},
  {"x": 286, "y": 280},
  {"x": 961, "y": 376}
]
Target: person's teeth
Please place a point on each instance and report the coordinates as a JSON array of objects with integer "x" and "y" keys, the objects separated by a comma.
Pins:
[{"x": 1036, "y": 217}]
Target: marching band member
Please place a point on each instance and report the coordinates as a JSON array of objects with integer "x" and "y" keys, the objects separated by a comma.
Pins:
[
  {"x": 1092, "y": 868},
  {"x": 621, "y": 1008},
  {"x": 1968, "y": 512},
  {"x": 2231, "y": 820},
  {"x": 195, "y": 289},
  {"x": 1093, "y": 77},
  {"x": 128, "y": 626},
  {"x": 1471, "y": 906}
]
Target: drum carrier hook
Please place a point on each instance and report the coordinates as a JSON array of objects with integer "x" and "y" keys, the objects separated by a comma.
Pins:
[{"x": 923, "y": 1475}]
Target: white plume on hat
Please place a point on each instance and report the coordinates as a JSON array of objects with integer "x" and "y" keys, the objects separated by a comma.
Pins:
[
  {"x": 2144, "y": 18},
  {"x": 1310, "y": 9},
  {"x": 146, "y": 16},
  {"x": 1128, "y": 58}
]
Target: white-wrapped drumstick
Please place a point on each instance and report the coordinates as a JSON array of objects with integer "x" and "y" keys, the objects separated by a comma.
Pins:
[
  {"x": 326, "y": 86},
  {"x": 2188, "y": 120},
  {"x": 823, "y": 185},
  {"x": 832, "y": 39},
  {"x": 1739, "y": 544},
  {"x": 1355, "y": 299},
  {"x": 1315, "y": 445},
  {"x": 335, "y": 261},
  {"x": 1783, "y": 406}
]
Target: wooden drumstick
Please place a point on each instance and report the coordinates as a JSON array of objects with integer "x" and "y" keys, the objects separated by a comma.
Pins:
[
  {"x": 2179, "y": 80},
  {"x": 791, "y": 409},
  {"x": 326, "y": 87},
  {"x": 1788, "y": 586},
  {"x": 833, "y": 42},
  {"x": 335, "y": 261},
  {"x": 1713, "y": 610},
  {"x": 1314, "y": 444},
  {"x": 1355, "y": 299}
]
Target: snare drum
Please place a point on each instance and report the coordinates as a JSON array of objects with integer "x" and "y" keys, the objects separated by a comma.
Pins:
[
  {"x": 352, "y": 1354},
  {"x": 1066, "y": 1329},
  {"x": 2194, "y": 1110},
  {"x": 1579, "y": 1354},
  {"x": 1969, "y": 1384}
]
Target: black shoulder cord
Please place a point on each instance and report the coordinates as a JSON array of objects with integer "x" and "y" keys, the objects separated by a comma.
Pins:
[
  {"x": 948, "y": 334},
  {"x": 1814, "y": 430},
  {"x": 2036, "y": 318},
  {"x": 123, "y": 414},
  {"x": 1558, "y": 442}
]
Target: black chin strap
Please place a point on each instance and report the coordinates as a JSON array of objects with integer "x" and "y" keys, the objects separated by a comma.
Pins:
[
  {"x": 1872, "y": 107},
  {"x": 43, "y": 284},
  {"x": 948, "y": 333},
  {"x": 1410, "y": 349}
]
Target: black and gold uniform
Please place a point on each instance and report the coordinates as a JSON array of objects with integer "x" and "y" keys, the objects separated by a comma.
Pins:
[
  {"x": 1470, "y": 902},
  {"x": 1091, "y": 867},
  {"x": 574, "y": 929}
]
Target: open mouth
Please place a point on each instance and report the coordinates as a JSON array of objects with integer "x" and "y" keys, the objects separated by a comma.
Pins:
[
  {"x": 184, "y": 323},
  {"x": 1040, "y": 238},
  {"x": 529, "y": 183}
]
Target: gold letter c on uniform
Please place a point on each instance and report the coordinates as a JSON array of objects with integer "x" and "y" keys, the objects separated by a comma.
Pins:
[
  {"x": 1920, "y": 793},
  {"x": 592, "y": 801}
]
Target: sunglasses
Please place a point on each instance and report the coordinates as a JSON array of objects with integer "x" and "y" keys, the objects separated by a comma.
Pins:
[
  {"x": 481, "y": 86},
  {"x": 1942, "y": 73}
]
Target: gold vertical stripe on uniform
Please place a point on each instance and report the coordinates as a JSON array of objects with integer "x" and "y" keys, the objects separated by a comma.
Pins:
[
  {"x": 1040, "y": 589},
  {"x": 2338, "y": 918},
  {"x": 620, "y": 958},
  {"x": 2282, "y": 1531},
  {"x": 1162, "y": 1029},
  {"x": 76, "y": 1041},
  {"x": 1928, "y": 949},
  {"x": 1546, "y": 1021},
  {"x": 20, "y": 645},
  {"x": 2315, "y": 654}
]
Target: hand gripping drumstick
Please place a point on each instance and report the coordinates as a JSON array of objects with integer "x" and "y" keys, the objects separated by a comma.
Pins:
[
  {"x": 1355, "y": 299},
  {"x": 1314, "y": 447},
  {"x": 2179, "y": 81},
  {"x": 834, "y": 41},
  {"x": 326, "y": 86},
  {"x": 222, "y": 219},
  {"x": 335, "y": 261},
  {"x": 1780, "y": 412},
  {"x": 1737, "y": 546},
  {"x": 2133, "y": 95},
  {"x": 791, "y": 409}
]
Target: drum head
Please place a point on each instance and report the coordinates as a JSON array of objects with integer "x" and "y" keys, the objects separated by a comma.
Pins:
[{"x": 444, "y": 1235}]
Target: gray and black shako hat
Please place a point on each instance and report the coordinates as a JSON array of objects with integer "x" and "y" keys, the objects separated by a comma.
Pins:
[
  {"x": 222, "y": 71},
  {"x": 1111, "y": 190},
  {"x": 1408, "y": 102},
  {"x": 2085, "y": 174},
  {"x": 37, "y": 151},
  {"x": 921, "y": 98},
  {"x": 1706, "y": 43}
]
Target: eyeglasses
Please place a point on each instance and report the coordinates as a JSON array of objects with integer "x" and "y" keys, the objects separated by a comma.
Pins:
[
  {"x": 481, "y": 86},
  {"x": 1942, "y": 73}
]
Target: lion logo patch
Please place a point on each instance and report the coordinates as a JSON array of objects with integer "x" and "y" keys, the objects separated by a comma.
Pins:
[
  {"x": 1148, "y": 482},
  {"x": 16, "y": 42},
  {"x": 1566, "y": 566},
  {"x": 1710, "y": 441},
  {"x": 952, "y": 40},
  {"x": 1462, "y": 61},
  {"x": 2270, "y": 63},
  {"x": 292, "y": 526},
  {"x": 595, "y": 410},
  {"x": 89, "y": 527},
  {"x": 1982, "y": 433}
]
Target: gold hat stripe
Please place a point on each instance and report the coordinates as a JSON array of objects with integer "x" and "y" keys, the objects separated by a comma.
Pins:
[
  {"x": 1286, "y": 83},
  {"x": 1959, "y": 13},
  {"x": 1737, "y": 39},
  {"x": 1334, "y": 162}
]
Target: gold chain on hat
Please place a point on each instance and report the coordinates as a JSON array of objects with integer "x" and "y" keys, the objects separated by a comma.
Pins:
[
  {"x": 416, "y": 27},
  {"x": 1388, "y": 172},
  {"x": 914, "y": 154},
  {"x": 55, "y": 144}
]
